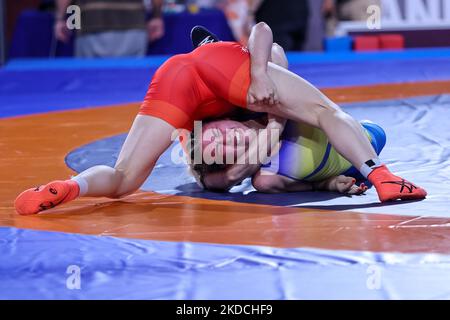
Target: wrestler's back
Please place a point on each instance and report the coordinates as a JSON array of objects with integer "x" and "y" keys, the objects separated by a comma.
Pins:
[
  {"x": 225, "y": 69},
  {"x": 206, "y": 83}
]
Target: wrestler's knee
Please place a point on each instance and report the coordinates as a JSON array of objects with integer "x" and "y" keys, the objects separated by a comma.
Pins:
[
  {"x": 124, "y": 182},
  {"x": 124, "y": 189}
]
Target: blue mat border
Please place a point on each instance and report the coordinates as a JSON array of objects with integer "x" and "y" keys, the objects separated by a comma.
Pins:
[
  {"x": 157, "y": 60},
  {"x": 34, "y": 265}
]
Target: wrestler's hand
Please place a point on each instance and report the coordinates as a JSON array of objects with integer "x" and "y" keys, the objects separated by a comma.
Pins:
[
  {"x": 343, "y": 184},
  {"x": 262, "y": 91}
]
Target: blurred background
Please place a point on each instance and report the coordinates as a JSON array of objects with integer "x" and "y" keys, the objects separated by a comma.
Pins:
[{"x": 116, "y": 28}]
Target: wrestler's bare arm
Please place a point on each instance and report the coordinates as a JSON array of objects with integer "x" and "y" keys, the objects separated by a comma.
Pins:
[
  {"x": 234, "y": 174},
  {"x": 267, "y": 182},
  {"x": 262, "y": 90},
  {"x": 274, "y": 183}
]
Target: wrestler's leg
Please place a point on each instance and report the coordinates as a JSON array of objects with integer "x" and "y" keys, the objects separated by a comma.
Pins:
[
  {"x": 148, "y": 138},
  {"x": 301, "y": 101},
  {"x": 279, "y": 58}
]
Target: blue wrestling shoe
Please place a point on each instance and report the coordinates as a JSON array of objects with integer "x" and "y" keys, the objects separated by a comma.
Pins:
[{"x": 377, "y": 134}]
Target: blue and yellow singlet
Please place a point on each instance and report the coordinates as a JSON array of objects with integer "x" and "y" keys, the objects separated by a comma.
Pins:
[{"x": 306, "y": 154}]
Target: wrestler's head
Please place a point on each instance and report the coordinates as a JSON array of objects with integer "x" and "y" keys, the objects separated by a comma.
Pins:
[{"x": 224, "y": 140}]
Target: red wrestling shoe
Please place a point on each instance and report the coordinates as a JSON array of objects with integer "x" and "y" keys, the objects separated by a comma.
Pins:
[
  {"x": 390, "y": 187},
  {"x": 46, "y": 197}
]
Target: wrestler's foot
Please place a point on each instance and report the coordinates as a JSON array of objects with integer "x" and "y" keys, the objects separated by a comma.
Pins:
[
  {"x": 391, "y": 187},
  {"x": 200, "y": 36},
  {"x": 46, "y": 197}
]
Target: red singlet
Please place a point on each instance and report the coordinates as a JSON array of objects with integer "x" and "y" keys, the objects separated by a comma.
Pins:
[{"x": 206, "y": 83}]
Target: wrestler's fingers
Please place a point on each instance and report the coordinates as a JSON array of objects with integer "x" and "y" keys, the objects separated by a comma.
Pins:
[
  {"x": 348, "y": 181},
  {"x": 255, "y": 100},
  {"x": 347, "y": 185},
  {"x": 355, "y": 190},
  {"x": 271, "y": 100},
  {"x": 361, "y": 189},
  {"x": 264, "y": 101},
  {"x": 344, "y": 184},
  {"x": 276, "y": 99}
]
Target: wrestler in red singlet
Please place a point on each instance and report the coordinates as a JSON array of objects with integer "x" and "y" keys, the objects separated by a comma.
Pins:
[{"x": 206, "y": 83}]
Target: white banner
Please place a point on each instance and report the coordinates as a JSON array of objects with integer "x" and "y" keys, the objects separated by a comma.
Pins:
[
  {"x": 414, "y": 12},
  {"x": 399, "y": 15}
]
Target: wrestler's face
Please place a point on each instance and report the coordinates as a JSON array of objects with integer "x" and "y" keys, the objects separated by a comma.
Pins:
[{"x": 225, "y": 137}]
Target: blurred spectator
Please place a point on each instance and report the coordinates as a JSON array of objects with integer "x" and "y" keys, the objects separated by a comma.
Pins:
[
  {"x": 287, "y": 18},
  {"x": 316, "y": 26},
  {"x": 111, "y": 28},
  {"x": 47, "y": 5},
  {"x": 346, "y": 10},
  {"x": 236, "y": 13}
]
